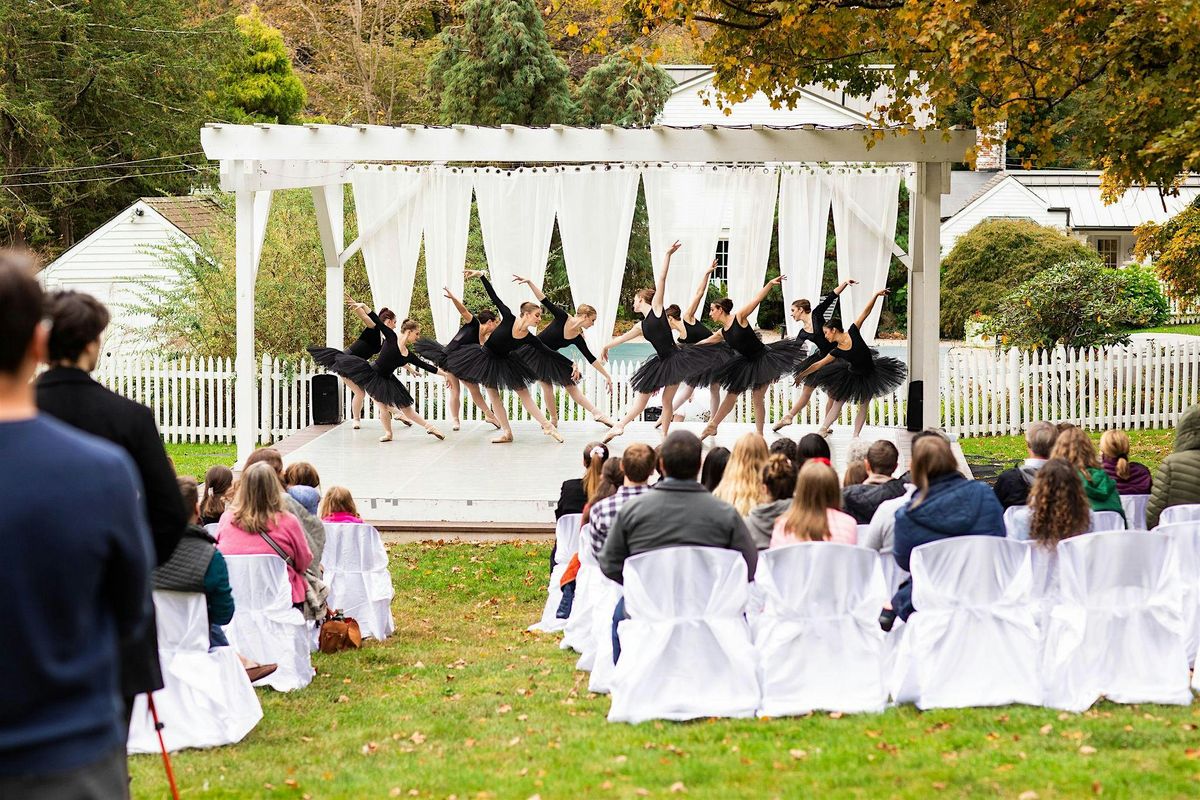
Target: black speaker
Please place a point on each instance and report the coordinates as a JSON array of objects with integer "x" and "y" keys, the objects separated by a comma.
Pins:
[
  {"x": 652, "y": 414},
  {"x": 326, "y": 400},
  {"x": 916, "y": 406}
]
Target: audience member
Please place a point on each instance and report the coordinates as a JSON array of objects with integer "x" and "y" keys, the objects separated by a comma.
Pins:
[
  {"x": 815, "y": 514},
  {"x": 1012, "y": 485},
  {"x": 784, "y": 447},
  {"x": 1130, "y": 476},
  {"x": 1075, "y": 447},
  {"x": 611, "y": 477},
  {"x": 301, "y": 481},
  {"x": 258, "y": 524},
  {"x": 861, "y": 501},
  {"x": 637, "y": 462},
  {"x": 78, "y": 556},
  {"x": 337, "y": 505},
  {"x": 812, "y": 445},
  {"x": 714, "y": 468},
  {"x": 1058, "y": 507},
  {"x": 779, "y": 484},
  {"x": 218, "y": 481},
  {"x": 314, "y": 531},
  {"x": 945, "y": 505},
  {"x": 66, "y": 391},
  {"x": 573, "y": 495},
  {"x": 856, "y": 474},
  {"x": 1177, "y": 479},
  {"x": 741, "y": 485}
]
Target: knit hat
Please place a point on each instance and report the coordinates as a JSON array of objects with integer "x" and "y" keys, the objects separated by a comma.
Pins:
[{"x": 306, "y": 496}]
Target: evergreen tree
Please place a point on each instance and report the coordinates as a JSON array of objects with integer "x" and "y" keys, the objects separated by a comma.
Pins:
[
  {"x": 260, "y": 84},
  {"x": 497, "y": 67},
  {"x": 622, "y": 90}
]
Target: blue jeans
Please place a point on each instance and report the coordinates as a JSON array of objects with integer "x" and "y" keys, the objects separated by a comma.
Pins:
[
  {"x": 216, "y": 637},
  {"x": 618, "y": 615}
]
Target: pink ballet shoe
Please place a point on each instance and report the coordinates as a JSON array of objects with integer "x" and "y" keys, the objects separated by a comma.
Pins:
[
  {"x": 616, "y": 431},
  {"x": 553, "y": 433},
  {"x": 504, "y": 438},
  {"x": 435, "y": 433},
  {"x": 783, "y": 423}
]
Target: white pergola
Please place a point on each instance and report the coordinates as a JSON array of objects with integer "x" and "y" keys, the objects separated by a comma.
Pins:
[{"x": 258, "y": 159}]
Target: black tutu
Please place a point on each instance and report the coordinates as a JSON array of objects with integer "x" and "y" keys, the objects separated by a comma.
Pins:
[
  {"x": 683, "y": 362},
  {"x": 474, "y": 363},
  {"x": 808, "y": 361},
  {"x": 842, "y": 383},
  {"x": 432, "y": 351},
  {"x": 548, "y": 366},
  {"x": 339, "y": 362},
  {"x": 385, "y": 389},
  {"x": 777, "y": 359},
  {"x": 324, "y": 356},
  {"x": 722, "y": 355}
]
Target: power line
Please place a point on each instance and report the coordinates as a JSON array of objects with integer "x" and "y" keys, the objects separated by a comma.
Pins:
[
  {"x": 114, "y": 179},
  {"x": 31, "y": 171}
]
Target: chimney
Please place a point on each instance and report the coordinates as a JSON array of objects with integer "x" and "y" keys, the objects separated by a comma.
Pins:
[{"x": 990, "y": 148}]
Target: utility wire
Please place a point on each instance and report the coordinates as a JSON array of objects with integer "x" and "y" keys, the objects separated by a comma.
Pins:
[
  {"x": 31, "y": 171},
  {"x": 112, "y": 178}
]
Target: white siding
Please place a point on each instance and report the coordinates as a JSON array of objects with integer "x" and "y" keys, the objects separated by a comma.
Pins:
[
  {"x": 686, "y": 107},
  {"x": 1008, "y": 199}
]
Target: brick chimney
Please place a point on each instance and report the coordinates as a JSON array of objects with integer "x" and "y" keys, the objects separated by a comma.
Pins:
[{"x": 990, "y": 148}]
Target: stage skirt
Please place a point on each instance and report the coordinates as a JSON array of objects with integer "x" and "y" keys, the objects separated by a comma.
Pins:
[
  {"x": 432, "y": 351},
  {"x": 339, "y": 362},
  {"x": 722, "y": 355},
  {"x": 675, "y": 367},
  {"x": 775, "y": 360},
  {"x": 551, "y": 366},
  {"x": 475, "y": 363},
  {"x": 384, "y": 389},
  {"x": 841, "y": 382}
]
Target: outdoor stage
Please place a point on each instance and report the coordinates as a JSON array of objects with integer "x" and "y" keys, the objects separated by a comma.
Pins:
[{"x": 418, "y": 487}]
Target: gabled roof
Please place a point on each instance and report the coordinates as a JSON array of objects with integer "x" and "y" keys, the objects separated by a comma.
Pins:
[
  {"x": 193, "y": 215},
  {"x": 966, "y": 186},
  {"x": 698, "y": 80}
]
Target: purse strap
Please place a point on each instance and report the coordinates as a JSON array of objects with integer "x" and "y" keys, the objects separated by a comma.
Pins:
[{"x": 278, "y": 550}]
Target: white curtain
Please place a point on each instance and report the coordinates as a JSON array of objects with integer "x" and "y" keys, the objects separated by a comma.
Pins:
[
  {"x": 864, "y": 218},
  {"x": 447, "y": 220},
  {"x": 387, "y": 202},
  {"x": 685, "y": 203},
  {"x": 516, "y": 213},
  {"x": 752, "y": 195},
  {"x": 804, "y": 200},
  {"x": 595, "y": 214}
]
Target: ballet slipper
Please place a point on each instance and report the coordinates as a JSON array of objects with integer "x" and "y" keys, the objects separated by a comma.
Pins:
[
  {"x": 504, "y": 438},
  {"x": 491, "y": 420},
  {"x": 405, "y": 420},
  {"x": 825, "y": 433},
  {"x": 356, "y": 425},
  {"x": 709, "y": 430},
  {"x": 455, "y": 425},
  {"x": 783, "y": 423},
  {"x": 606, "y": 421},
  {"x": 616, "y": 431},
  {"x": 434, "y": 432},
  {"x": 553, "y": 433},
  {"x": 387, "y": 437}
]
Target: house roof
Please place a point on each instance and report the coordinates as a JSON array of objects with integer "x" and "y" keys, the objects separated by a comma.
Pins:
[
  {"x": 682, "y": 73},
  {"x": 967, "y": 186},
  {"x": 194, "y": 215}
]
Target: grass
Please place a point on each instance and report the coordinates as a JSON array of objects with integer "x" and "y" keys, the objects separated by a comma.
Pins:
[
  {"x": 1190, "y": 330},
  {"x": 192, "y": 458},
  {"x": 462, "y": 702},
  {"x": 1149, "y": 446}
]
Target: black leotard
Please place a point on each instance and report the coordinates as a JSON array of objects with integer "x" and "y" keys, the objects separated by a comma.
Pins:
[
  {"x": 743, "y": 339},
  {"x": 368, "y": 342},
  {"x": 502, "y": 342},
  {"x": 817, "y": 337},
  {"x": 657, "y": 331},
  {"x": 390, "y": 357},
  {"x": 554, "y": 335},
  {"x": 467, "y": 334},
  {"x": 696, "y": 333},
  {"x": 859, "y": 356}
]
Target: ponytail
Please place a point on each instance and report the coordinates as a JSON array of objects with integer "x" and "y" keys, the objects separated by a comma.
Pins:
[
  {"x": 594, "y": 456},
  {"x": 1115, "y": 445}
]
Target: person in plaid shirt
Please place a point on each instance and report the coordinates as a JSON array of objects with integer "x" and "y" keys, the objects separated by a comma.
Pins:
[{"x": 638, "y": 462}]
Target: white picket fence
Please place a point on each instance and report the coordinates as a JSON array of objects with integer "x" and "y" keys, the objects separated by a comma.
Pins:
[{"x": 1145, "y": 385}]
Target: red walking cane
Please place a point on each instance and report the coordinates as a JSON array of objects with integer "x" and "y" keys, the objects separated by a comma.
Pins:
[{"x": 158, "y": 727}]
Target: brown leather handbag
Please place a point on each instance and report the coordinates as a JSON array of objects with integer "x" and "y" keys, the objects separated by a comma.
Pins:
[{"x": 339, "y": 632}]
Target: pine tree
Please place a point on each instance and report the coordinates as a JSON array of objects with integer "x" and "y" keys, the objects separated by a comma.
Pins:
[
  {"x": 497, "y": 67},
  {"x": 260, "y": 84},
  {"x": 622, "y": 90}
]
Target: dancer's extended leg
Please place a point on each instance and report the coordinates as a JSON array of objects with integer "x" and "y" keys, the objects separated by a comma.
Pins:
[
  {"x": 501, "y": 415},
  {"x": 635, "y": 410},
  {"x": 794, "y": 411},
  {"x": 547, "y": 427},
  {"x": 832, "y": 410},
  {"x": 477, "y": 396},
  {"x": 582, "y": 399},
  {"x": 759, "y": 400},
  {"x": 385, "y": 416},
  {"x": 548, "y": 401},
  {"x": 356, "y": 403},
  {"x": 455, "y": 401},
  {"x": 668, "y": 408},
  {"x": 860, "y": 419},
  {"x": 722, "y": 412},
  {"x": 411, "y": 413}
]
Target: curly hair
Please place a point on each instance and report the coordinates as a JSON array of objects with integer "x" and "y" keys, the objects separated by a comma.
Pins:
[
  {"x": 1058, "y": 507},
  {"x": 1075, "y": 446}
]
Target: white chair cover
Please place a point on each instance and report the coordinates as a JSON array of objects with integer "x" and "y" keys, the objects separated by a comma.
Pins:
[
  {"x": 356, "y": 569},
  {"x": 1186, "y": 536},
  {"x": 1016, "y": 523},
  {"x": 973, "y": 639},
  {"x": 608, "y": 594},
  {"x": 1184, "y": 513},
  {"x": 1117, "y": 629},
  {"x": 1106, "y": 521},
  {"x": 206, "y": 699},
  {"x": 686, "y": 649},
  {"x": 577, "y": 635},
  {"x": 818, "y": 639},
  {"x": 566, "y": 539},
  {"x": 265, "y": 627},
  {"x": 893, "y": 576},
  {"x": 212, "y": 529},
  {"x": 1135, "y": 510}
]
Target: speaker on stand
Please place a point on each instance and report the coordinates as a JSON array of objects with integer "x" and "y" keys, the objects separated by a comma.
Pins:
[
  {"x": 916, "y": 406},
  {"x": 326, "y": 400}
]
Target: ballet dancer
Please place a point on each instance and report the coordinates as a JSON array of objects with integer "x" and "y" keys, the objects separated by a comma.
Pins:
[
  {"x": 476, "y": 328},
  {"x": 364, "y": 347},
  {"x": 754, "y": 366},
  {"x": 812, "y": 321},
  {"x": 495, "y": 364},
  {"x": 852, "y": 371},
  {"x": 690, "y": 331},
  {"x": 565, "y": 330},
  {"x": 671, "y": 363}
]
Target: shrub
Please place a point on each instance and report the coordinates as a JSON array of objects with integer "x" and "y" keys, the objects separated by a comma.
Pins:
[
  {"x": 1143, "y": 293},
  {"x": 1175, "y": 248},
  {"x": 992, "y": 258}
]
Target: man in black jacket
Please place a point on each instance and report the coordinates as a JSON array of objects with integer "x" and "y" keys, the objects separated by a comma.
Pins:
[
  {"x": 67, "y": 391},
  {"x": 1013, "y": 485},
  {"x": 861, "y": 501}
]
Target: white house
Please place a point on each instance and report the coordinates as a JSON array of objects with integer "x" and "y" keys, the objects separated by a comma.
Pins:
[{"x": 110, "y": 261}]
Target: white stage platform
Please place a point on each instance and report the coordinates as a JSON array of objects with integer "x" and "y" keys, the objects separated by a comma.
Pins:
[{"x": 419, "y": 483}]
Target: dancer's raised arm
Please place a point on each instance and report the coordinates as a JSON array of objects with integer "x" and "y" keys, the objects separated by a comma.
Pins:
[
  {"x": 660, "y": 284},
  {"x": 743, "y": 314},
  {"x": 866, "y": 312},
  {"x": 463, "y": 311},
  {"x": 533, "y": 287},
  {"x": 633, "y": 332},
  {"x": 504, "y": 310},
  {"x": 363, "y": 312},
  {"x": 701, "y": 291},
  {"x": 818, "y": 313}
]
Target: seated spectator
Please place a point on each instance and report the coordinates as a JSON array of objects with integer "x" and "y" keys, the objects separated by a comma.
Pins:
[
  {"x": 573, "y": 495},
  {"x": 218, "y": 483},
  {"x": 301, "y": 481},
  {"x": 1177, "y": 479},
  {"x": 256, "y": 518},
  {"x": 714, "y": 468},
  {"x": 337, "y": 505},
  {"x": 945, "y": 505},
  {"x": 856, "y": 474},
  {"x": 611, "y": 477},
  {"x": 741, "y": 485},
  {"x": 1075, "y": 447},
  {"x": 1058, "y": 507},
  {"x": 314, "y": 531},
  {"x": 880, "y": 536},
  {"x": 637, "y": 463},
  {"x": 78, "y": 556},
  {"x": 784, "y": 447},
  {"x": 815, "y": 514},
  {"x": 812, "y": 445},
  {"x": 861, "y": 501},
  {"x": 1131, "y": 477},
  {"x": 779, "y": 484},
  {"x": 1012, "y": 485}
]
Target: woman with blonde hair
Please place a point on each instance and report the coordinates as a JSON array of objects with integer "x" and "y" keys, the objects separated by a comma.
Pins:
[
  {"x": 1131, "y": 477},
  {"x": 1058, "y": 507},
  {"x": 338, "y": 506},
  {"x": 816, "y": 514},
  {"x": 256, "y": 524},
  {"x": 741, "y": 485},
  {"x": 1074, "y": 446}
]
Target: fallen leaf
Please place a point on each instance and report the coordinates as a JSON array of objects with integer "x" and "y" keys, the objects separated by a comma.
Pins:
[
  {"x": 620, "y": 759},
  {"x": 640, "y": 792},
  {"x": 1087, "y": 750},
  {"x": 419, "y": 665},
  {"x": 395, "y": 791},
  {"x": 504, "y": 709},
  {"x": 939, "y": 785},
  {"x": 798, "y": 753},
  {"x": 417, "y": 738},
  {"x": 835, "y": 714},
  {"x": 292, "y": 782},
  {"x": 1097, "y": 788},
  {"x": 343, "y": 699},
  {"x": 1028, "y": 795},
  {"x": 678, "y": 788},
  {"x": 369, "y": 748},
  {"x": 513, "y": 742},
  {"x": 1046, "y": 729},
  {"x": 522, "y": 717},
  {"x": 1192, "y": 752},
  {"x": 306, "y": 739}
]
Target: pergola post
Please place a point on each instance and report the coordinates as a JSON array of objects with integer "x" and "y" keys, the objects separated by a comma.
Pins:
[
  {"x": 924, "y": 291},
  {"x": 329, "y": 202},
  {"x": 245, "y": 404}
]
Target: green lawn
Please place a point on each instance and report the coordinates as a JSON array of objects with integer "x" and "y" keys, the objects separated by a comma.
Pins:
[
  {"x": 1148, "y": 446},
  {"x": 194, "y": 458},
  {"x": 1190, "y": 330},
  {"x": 462, "y": 702}
]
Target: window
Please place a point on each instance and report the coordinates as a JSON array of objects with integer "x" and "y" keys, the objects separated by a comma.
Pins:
[
  {"x": 721, "y": 275},
  {"x": 1109, "y": 249}
]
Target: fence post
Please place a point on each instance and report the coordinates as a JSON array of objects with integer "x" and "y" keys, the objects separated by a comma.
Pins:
[{"x": 264, "y": 406}]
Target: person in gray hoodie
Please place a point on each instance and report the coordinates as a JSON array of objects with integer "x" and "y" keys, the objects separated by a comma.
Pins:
[
  {"x": 1012, "y": 485},
  {"x": 779, "y": 484}
]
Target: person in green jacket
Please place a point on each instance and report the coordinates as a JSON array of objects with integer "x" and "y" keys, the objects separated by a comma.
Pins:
[
  {"x": 1075, "y": 447},
  {"x": 1177, "y": 479}
]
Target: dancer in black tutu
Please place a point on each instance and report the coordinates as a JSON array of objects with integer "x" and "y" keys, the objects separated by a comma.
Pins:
[
  {"x": 366, "y": 345},
  {"x": 812, "y": 322},
  {"x": 476, "y": 328},
  {"x": 562, "y": 332},
  {"x": 755, "y": 366},
  {"x": 496, "y": 365},
  {"x": 689, "y": 331},
  {"x": 671, "y": 363},
  {"x": 854, "y": 372}
]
